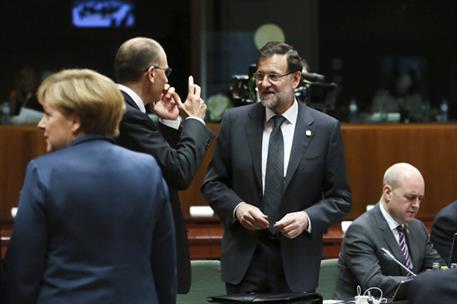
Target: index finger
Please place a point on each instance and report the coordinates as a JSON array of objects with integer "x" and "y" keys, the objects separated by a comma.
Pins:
[
  {"x": 282, "y": 223},
  {"x": 177, "y": 99},
  {"x": 260, "y": 217},
  {"x": 260, "y": 223},
  {"x": 169, "y": 91},
  {"x": 191, "y": 84}
]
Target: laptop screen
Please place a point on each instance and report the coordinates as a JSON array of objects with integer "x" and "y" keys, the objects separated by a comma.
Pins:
[
  {"x": 453, "y": 253},
  {"x": 401, "y": 293}
]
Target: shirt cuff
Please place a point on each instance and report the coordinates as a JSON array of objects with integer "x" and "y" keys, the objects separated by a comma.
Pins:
[
  {"x": 197, "y": 118},
  {"x": 234, "y": 210},
  {"x": 174, "y": 124},
  {"x": 309, "y": 223}
]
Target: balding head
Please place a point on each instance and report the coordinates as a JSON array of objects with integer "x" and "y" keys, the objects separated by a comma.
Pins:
[
  {"x": 134, "y": 57},
  {"x": 402, "y": 192},
  {"x": 399, "y": 172}
]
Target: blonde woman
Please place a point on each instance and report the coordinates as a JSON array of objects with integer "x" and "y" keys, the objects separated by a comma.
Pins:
[{"x": 87, "y": 229}]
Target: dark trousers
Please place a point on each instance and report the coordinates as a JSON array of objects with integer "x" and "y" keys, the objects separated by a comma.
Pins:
[{"x": 265, "y": 273}]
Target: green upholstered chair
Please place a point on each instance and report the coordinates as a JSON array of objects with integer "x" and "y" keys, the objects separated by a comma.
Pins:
[
  {"x": 327, "y": 278},
  {"x": 206, "y": 281}
]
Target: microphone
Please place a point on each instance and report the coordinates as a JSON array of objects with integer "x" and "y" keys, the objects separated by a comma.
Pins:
[
  {"x": 313, "y": 77},
  {"x": 387, "y": 252}
]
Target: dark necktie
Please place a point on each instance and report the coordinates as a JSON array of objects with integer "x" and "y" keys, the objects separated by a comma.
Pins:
[
  {"x": 404, "y": 247},
  {"x": 274, "y": 176}
]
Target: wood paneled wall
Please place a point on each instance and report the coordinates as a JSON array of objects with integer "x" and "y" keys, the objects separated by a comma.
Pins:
[
  {"x": 369, "y": 149},
  {"x": 18, "y": 145}
]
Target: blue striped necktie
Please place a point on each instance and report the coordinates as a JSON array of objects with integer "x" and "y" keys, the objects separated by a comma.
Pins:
[{"x": 404, "y": 247}]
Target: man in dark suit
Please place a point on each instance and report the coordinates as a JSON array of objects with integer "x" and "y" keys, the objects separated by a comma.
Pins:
[
  {"x": 443, "y": 229},
  {"x": 87, "y": 230},
  {"x": 362, "y": 260},
  {"x": 434, "y": 287},
  {"x": 274, "y": 222},
  {"x": 178, "y": 146}
]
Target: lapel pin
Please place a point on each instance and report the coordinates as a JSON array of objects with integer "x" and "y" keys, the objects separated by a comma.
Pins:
[{"x": 308, "y": 133}]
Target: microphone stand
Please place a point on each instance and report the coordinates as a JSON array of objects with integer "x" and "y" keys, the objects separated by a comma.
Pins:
[{"x": 387, "y": 252}]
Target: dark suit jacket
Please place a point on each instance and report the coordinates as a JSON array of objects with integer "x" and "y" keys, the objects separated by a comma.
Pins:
[
  {"x": 88, "y": 231},
  {"x": 434, "y": 287},
  {"x": 315, "y": 182},
  {"x": 362, "y": 262},
  {"x": 179, "y": 155},
  {"x": 443, "y": 228}
]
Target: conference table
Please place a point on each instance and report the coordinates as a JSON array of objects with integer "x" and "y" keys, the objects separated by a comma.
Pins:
[{"x": 205, "y": 236}]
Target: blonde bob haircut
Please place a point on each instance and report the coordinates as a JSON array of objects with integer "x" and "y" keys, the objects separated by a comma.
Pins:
[{"x": 90, "y": 95}]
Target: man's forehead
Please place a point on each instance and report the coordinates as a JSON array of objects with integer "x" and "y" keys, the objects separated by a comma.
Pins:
[
  {"x": 415, "y": 189},
  {"x": 276, "y": 58},
  {"x": 277, "y": 61}
]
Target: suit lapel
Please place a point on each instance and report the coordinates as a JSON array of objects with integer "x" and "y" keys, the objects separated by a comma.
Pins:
[
  {"x": 129, "y": 100},
  {"x": 254, "y": 133},
  {"x": 303, "y": 136},
  {"x": 389, "y": 237}
]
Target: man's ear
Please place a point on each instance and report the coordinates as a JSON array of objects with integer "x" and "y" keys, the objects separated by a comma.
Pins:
[
  {"x": 296, "y": 79},
  {"x": 387, "y": 192},
  {"x": 149, "y": 74}
]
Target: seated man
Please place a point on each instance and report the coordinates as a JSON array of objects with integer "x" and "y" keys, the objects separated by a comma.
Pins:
[
  {"x": 443, "y": 228},
  {"x": 433, "y": 287},
  {"x": 391, "y": 224}
]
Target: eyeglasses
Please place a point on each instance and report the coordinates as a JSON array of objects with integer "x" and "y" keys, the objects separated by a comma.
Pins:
[
  {"x": 167, "y": 71},
  {"x": 273, "y": 77}
]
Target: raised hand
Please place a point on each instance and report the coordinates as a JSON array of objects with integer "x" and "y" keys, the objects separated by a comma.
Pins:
[
  {"x": 194, "y": 106},
  {"x": 167, "y": 106}
]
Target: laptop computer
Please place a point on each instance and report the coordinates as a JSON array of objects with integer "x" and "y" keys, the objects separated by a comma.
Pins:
[
  {"x": 453, "y": 253},
  {"x": 401, "y": 293},
  {"x": 271, "y": 298}
]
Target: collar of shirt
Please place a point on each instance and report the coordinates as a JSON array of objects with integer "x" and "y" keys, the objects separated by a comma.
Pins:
[
  {"x": 290, "y": 114},
  {"x": 393, "y": 224},
  {"x": 137, "y": 99}
]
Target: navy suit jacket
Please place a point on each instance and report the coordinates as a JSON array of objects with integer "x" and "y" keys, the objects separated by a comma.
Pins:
[
  {"x": 89, "y": 231},
  {"x": 443, "y": 228},
  {"x": 315, "y": 182},
  {"x": 437, "y": 287},
  {"x": 179, "y": 155}
]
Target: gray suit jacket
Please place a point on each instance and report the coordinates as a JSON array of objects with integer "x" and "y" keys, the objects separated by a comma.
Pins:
[
  {"x": 361, "y": 261},
  {"x": 315, "y": 182}
]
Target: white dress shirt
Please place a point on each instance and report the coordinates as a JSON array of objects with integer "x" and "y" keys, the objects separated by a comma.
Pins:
[
  {"x": 137, "y": 99},
  {"x": 393, "y": 224},
  {"x": 139, "y": 102}
]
